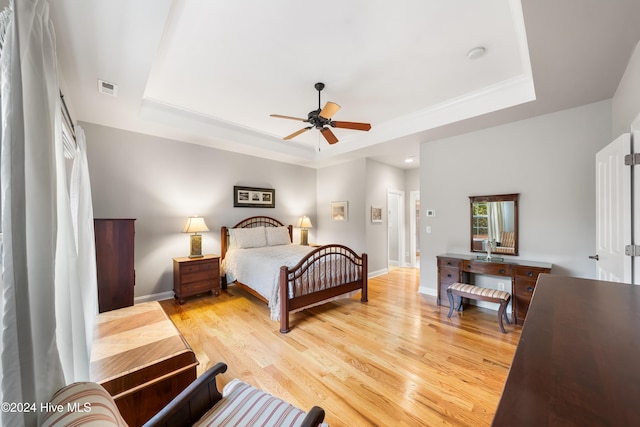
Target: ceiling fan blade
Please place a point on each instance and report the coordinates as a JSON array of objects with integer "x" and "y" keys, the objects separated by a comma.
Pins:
[
  {"x": 329, "y": 110},
  {"x": 293, "y": 135},
  {"x": 352, "y": 125},
  {"x": 329, "y": 136},
  {"x": 280, "y": 116}
]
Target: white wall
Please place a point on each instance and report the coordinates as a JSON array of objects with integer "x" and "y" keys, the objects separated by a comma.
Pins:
[
  {"x": 161, "y": 182},
  {"x": 548, "y": 159},
  {"x": 342, "y": 183},
  {"x": 626, "y": 101}
]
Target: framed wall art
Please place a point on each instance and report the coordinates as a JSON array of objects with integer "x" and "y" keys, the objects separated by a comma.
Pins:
[
  {"x": 252, "y": 197},
  {"x": 376, "y": 214},
  {"x": 339, "y": 211}
]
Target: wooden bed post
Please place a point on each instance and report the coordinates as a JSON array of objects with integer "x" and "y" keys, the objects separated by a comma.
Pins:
[
  {"x": 365, "y": 279},
  {"x": 224, "y": 244},
  {"x": 284, "y": 300}
]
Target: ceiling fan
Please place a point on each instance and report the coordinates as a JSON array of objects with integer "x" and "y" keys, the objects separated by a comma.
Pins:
[{"x": 321, "y": 120}]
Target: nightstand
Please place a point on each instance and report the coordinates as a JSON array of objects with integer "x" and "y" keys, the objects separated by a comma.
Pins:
[{"x": 193, "y": 276}]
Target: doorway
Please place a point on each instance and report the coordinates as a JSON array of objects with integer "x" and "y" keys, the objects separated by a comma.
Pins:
[
  {"x": 395, "y": 212},
  {"x": 414, "y": 229}
]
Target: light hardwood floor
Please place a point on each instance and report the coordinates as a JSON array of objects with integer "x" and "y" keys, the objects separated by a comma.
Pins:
[{"x": 394, "y": 361}]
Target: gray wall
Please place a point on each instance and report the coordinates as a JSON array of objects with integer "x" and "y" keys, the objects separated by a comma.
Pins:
[
  {"x": 548, "y": 159},
  {"x": 161, "y": 182},
  {"x": 379, "y": 179},
  {"x": 340, "y": 183},
  {"x": 363, "y": 183}
]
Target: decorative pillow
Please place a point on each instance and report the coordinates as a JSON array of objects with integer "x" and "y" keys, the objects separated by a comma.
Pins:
[
  {"x": 277, "y": 236},
  {"x": 249, "y": 237}
]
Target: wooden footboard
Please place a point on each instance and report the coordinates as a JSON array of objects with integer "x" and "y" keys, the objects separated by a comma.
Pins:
[{"x": 325, "y": 273}]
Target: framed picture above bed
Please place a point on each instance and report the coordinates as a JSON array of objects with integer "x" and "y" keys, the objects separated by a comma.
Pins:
[
  {"x": 252, "y": 197},
  {"x": 339, "y": 211}
]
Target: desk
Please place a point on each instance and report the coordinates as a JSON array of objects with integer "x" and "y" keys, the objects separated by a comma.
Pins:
[
  {"x": 577, "y": 360},
  {"x": 454, "y": 268},
  {"x": 141, "y": 359}
]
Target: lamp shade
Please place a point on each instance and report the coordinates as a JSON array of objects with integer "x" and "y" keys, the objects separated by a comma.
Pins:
[
  {"x": 304, "y": 222},
  {"x": 195, "y": 224}
]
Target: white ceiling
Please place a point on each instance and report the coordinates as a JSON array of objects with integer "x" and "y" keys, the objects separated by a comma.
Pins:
[{"x": 211, "y": 72}]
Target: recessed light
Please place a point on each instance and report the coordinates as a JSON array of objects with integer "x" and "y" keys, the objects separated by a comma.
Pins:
[
  {"x": 408, "y": 160},
  {"x": 476, "y": 52}
]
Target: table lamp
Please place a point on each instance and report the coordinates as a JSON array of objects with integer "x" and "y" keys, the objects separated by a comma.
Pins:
[
  {"x": 304, "y": 223},
  {"x": 195, "y": 224}
]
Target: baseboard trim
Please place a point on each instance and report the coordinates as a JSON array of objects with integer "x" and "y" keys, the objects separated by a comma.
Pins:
[
  {"x": 428, "y": 291},
  {"x": 153, "y": 297},
  {"x": 377, "y": 273}
]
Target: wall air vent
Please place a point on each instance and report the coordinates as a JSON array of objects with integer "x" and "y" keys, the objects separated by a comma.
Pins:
[{"x": 107, "y": 88}]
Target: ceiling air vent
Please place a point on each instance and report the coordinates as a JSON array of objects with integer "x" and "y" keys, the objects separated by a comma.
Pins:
[{"x": 107, "y": 88}]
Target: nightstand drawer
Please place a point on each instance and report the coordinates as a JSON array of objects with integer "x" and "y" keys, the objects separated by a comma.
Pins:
[
  {"x": 198, "y": 287},
  {"x": 199, "y": 276},
  {"x": 196, "y": 266}
]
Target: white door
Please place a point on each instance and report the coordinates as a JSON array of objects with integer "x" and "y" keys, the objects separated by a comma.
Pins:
[
  {"x": 613, "y": 211},
  {"x": 635, "y": 199}
]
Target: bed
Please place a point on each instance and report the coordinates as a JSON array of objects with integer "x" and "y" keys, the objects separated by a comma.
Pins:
[{"x": 257, "y": 255}]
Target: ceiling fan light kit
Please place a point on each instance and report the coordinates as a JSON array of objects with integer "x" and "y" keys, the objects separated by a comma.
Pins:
[{"x": 321, "y": 120}]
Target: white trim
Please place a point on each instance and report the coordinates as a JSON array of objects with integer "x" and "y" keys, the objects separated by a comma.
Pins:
[
  {"x": 428, "y": 291},
  {"x": 402, "y": 262},
  {"x": 377, "y": 273},
  {"x": 414, "y": 196},
  {"x": 153, "y": 297}
]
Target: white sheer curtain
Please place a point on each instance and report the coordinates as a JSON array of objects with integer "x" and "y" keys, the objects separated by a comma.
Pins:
[
  {"x": 76, "y": 289},
  {"x": 496, "y": 221},
  {"x": 45, "y": 335}
]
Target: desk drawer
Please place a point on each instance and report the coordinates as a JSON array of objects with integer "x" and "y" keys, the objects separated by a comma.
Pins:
[
  {"x": 490, "y": 268},
  {"x": 449, "y": 262},
  {"x": 530, "y": 272}
]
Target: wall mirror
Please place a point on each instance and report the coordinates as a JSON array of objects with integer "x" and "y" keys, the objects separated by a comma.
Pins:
[{"x": 494, "y": 221}]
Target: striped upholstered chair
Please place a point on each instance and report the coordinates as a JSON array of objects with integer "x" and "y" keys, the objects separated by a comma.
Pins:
[
  {"x": 200, "y": 404},
  {"x": 507, "y": 243}
]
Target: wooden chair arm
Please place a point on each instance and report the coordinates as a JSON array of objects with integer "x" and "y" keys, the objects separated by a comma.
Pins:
[
  {"x": 314, "y": 417},
  {"x": 192, "y": 403}
]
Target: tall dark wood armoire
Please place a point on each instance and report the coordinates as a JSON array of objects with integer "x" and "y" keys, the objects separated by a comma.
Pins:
[{"x": 114, "y": 262}]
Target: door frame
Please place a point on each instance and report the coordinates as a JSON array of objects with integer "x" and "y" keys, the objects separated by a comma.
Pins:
[
  {"x": 414, "y": 196},
  {"x": 401, "y": 227}
]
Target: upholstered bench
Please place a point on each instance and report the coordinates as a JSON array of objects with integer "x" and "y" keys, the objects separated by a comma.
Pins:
[
  {"x": 463, "y": 290},
  {"x": 239, "y": 404}
]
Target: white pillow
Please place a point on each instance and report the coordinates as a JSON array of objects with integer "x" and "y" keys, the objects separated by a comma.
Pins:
[
  {"x": 249, "y": 237},
  {"x": 277, "y": 236}
]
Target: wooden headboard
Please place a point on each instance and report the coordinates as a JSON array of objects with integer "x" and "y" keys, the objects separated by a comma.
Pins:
[{"x": 254, "y": 221}]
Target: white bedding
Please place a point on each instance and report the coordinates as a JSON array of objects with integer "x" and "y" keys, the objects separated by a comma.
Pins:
[{"x": 259, "y": 268}]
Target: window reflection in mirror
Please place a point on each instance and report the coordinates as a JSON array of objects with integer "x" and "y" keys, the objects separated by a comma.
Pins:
[{"x": 494, "y": 221}]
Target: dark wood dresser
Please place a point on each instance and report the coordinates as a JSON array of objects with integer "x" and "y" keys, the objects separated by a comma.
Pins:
[
  {"x": 115, "y": 262},
  {"x": 454, "y": 268},
  {"x": 577, "y": 360}
]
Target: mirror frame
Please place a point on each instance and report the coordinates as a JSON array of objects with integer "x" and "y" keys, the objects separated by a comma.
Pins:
[{"x": 497, "y": 198}]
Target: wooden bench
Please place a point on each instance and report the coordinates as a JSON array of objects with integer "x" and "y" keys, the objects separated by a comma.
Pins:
[{"x": 483, "y": 294}]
